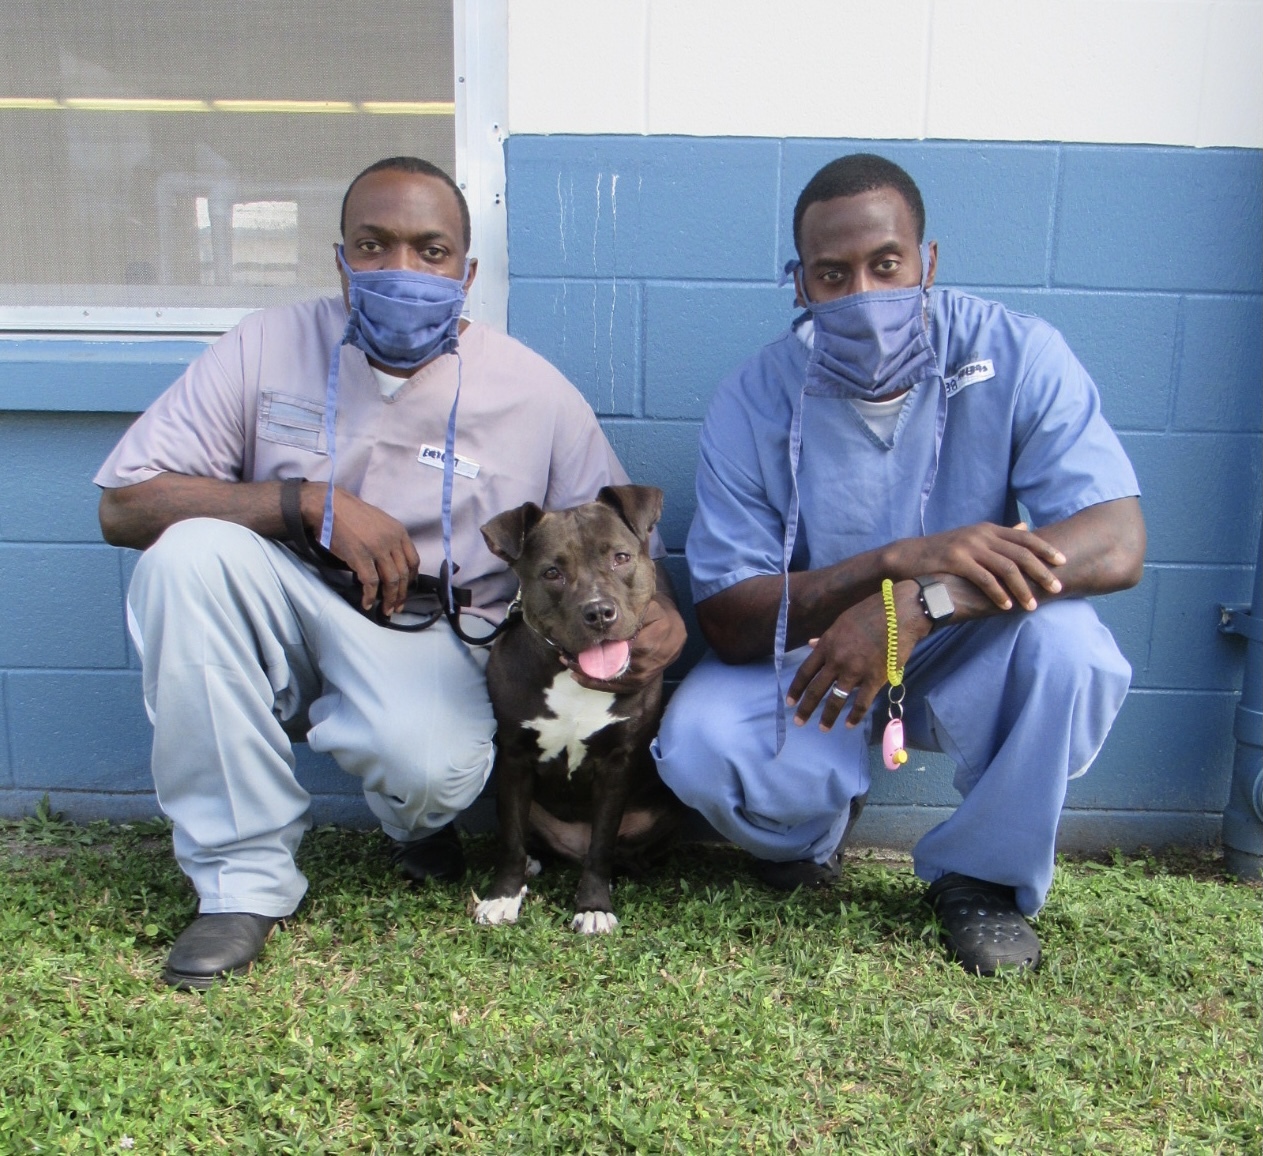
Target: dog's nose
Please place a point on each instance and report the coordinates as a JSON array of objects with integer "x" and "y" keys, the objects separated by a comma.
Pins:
[{"x": 600, "y": 612}]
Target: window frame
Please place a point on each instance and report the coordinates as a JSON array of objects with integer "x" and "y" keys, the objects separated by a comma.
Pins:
[{"x": 480, "y": 58}]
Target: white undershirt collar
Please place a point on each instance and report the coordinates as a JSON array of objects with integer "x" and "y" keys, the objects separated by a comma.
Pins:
[{"x": 388, "y": 383}]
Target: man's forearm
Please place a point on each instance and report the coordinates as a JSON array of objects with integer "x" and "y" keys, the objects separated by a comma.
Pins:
[
  {"x": 1098, "y": 550},
  {"x": 740, "y": 622},
  {"x": 137, "y": 515},
  {"x": 1104, "y": 548}
]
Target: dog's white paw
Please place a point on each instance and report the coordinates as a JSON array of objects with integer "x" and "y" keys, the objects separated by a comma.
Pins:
[
  {"x": 533, "y": 867},
  {"x": 594, "y": 922},
  {"x": 497, "y": 911}
]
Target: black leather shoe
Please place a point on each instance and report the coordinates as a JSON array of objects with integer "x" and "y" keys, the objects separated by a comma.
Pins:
[
  {"x": 806, "y": 872},
  {"x": 799, "y": 873},
  {"x": 438, "y": 856},
  {"x": 982, "y": 927},
  {"x": 215, "y": 946}
]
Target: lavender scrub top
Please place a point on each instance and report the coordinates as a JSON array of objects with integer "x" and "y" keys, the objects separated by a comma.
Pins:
[{"x": 251, "y": 408}]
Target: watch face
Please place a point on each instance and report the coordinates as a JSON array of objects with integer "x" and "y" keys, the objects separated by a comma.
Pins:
[{"x": 937, "y": 601}]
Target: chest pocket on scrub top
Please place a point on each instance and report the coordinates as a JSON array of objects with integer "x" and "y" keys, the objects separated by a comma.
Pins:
[{"x": 288, "y": 420}]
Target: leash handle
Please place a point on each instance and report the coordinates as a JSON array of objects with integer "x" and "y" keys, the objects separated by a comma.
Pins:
[
  {"x": 336, "y": 575},
  {"x": 452, "y": 611}
]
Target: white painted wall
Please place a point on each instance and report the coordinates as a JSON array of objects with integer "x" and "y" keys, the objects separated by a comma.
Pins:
[{"x": 1178, "y": 72}]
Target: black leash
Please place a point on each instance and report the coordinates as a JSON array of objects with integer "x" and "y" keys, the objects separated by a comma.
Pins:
[{"x": 336, "y": 575}]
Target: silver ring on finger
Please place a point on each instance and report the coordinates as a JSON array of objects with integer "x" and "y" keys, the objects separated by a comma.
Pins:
[{"x": 838, "y": 692}]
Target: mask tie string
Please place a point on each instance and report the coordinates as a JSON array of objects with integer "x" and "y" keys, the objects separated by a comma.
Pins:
[
  {"x": 331, "y": 420},
  {"x": 449, "y": 480},
  {"x": 448, "y": 344},
  {"x": 791, "y": 535}
]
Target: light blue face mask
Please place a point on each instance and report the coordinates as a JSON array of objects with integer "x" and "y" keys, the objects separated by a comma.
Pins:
[
  {"x": 399, "y": 318},
  {"x": 871, "y": 345}
]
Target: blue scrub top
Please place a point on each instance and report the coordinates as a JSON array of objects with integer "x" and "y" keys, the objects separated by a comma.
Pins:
[{"x": 1013, "y": 417}]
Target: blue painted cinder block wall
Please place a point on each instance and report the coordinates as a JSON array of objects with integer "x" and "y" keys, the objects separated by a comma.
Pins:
[{"x": 646, "y": 267}]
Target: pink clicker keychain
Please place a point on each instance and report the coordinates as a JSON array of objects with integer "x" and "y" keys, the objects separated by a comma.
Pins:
[{"x": 894, "y": 754}]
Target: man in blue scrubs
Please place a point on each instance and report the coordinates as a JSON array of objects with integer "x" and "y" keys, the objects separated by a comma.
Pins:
[{"x": 891, "y": 433}]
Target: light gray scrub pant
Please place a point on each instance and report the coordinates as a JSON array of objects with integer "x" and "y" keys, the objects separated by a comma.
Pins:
[
  {"x": 1021, "y": 703},
  {"x": 243, "y": 648}
]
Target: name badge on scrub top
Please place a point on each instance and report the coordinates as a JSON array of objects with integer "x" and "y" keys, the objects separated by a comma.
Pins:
[
  {"x": 434, "y": 456},
  {"x": 967, "y": 374}
]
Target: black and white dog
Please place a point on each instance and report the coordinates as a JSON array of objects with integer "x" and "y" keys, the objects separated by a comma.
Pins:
[{"x": 574, "y": 772}]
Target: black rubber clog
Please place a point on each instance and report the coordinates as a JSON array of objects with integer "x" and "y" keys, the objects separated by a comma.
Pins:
[
  {"x": 438, "y": 856},
  {"x": 982, "y": 926}
]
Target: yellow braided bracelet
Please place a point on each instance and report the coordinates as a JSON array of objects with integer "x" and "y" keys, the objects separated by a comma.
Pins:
[
  {"x": 893, "y": 752},
  {"x": 893, "y": 673}
]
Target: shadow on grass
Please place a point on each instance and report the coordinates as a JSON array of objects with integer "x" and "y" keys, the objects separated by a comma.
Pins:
[{"x": 128, "y": 877}]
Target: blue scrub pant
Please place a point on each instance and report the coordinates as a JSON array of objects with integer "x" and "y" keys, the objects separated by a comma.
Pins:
[{"x": 1021, "y": 702}]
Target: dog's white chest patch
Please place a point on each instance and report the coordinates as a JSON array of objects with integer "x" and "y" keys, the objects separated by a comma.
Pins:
[{"x": 579, "y": 712}]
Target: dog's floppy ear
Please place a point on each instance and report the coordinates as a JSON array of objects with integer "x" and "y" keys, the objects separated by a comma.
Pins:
[
  {"x": 505, "y": 534},
  {"x": 639, "y": 506}
]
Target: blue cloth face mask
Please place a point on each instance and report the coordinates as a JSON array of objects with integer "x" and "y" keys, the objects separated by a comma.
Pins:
[
  {"x": 400, "y": 318},
  {"x": 871, "y": 345}
]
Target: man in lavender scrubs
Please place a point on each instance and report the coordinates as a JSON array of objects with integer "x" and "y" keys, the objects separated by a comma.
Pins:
[{"x": 428, "y": 426}]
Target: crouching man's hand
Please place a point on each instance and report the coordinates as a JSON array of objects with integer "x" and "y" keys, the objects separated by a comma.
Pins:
[
  {"x": 851, "y": 657},
  {"x": 373, "y": 544}
]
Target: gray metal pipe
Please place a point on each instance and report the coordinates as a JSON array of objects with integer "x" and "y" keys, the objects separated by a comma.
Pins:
[{"x": 1243, "y": 816}]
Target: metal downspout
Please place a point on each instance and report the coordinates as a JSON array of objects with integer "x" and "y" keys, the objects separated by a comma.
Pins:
[{"x": 1243, "y": 816}]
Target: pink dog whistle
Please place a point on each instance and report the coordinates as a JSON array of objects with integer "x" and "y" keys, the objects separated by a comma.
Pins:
[{"x": 892, "y": 750}]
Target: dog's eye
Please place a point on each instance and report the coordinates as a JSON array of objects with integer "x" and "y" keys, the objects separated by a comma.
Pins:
[
  {"x": 621, "y": 559},
  {"x": 552, "y": 574}
]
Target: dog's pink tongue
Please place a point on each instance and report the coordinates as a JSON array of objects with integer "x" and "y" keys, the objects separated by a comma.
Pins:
[{"x": 605, "y": 659}]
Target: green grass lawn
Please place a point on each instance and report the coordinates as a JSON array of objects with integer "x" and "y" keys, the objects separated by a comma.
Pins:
[{"x": 717, "y": 1018}]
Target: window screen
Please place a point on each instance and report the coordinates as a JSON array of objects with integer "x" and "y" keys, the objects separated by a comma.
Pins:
[{"x": 177, "y": 153}]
